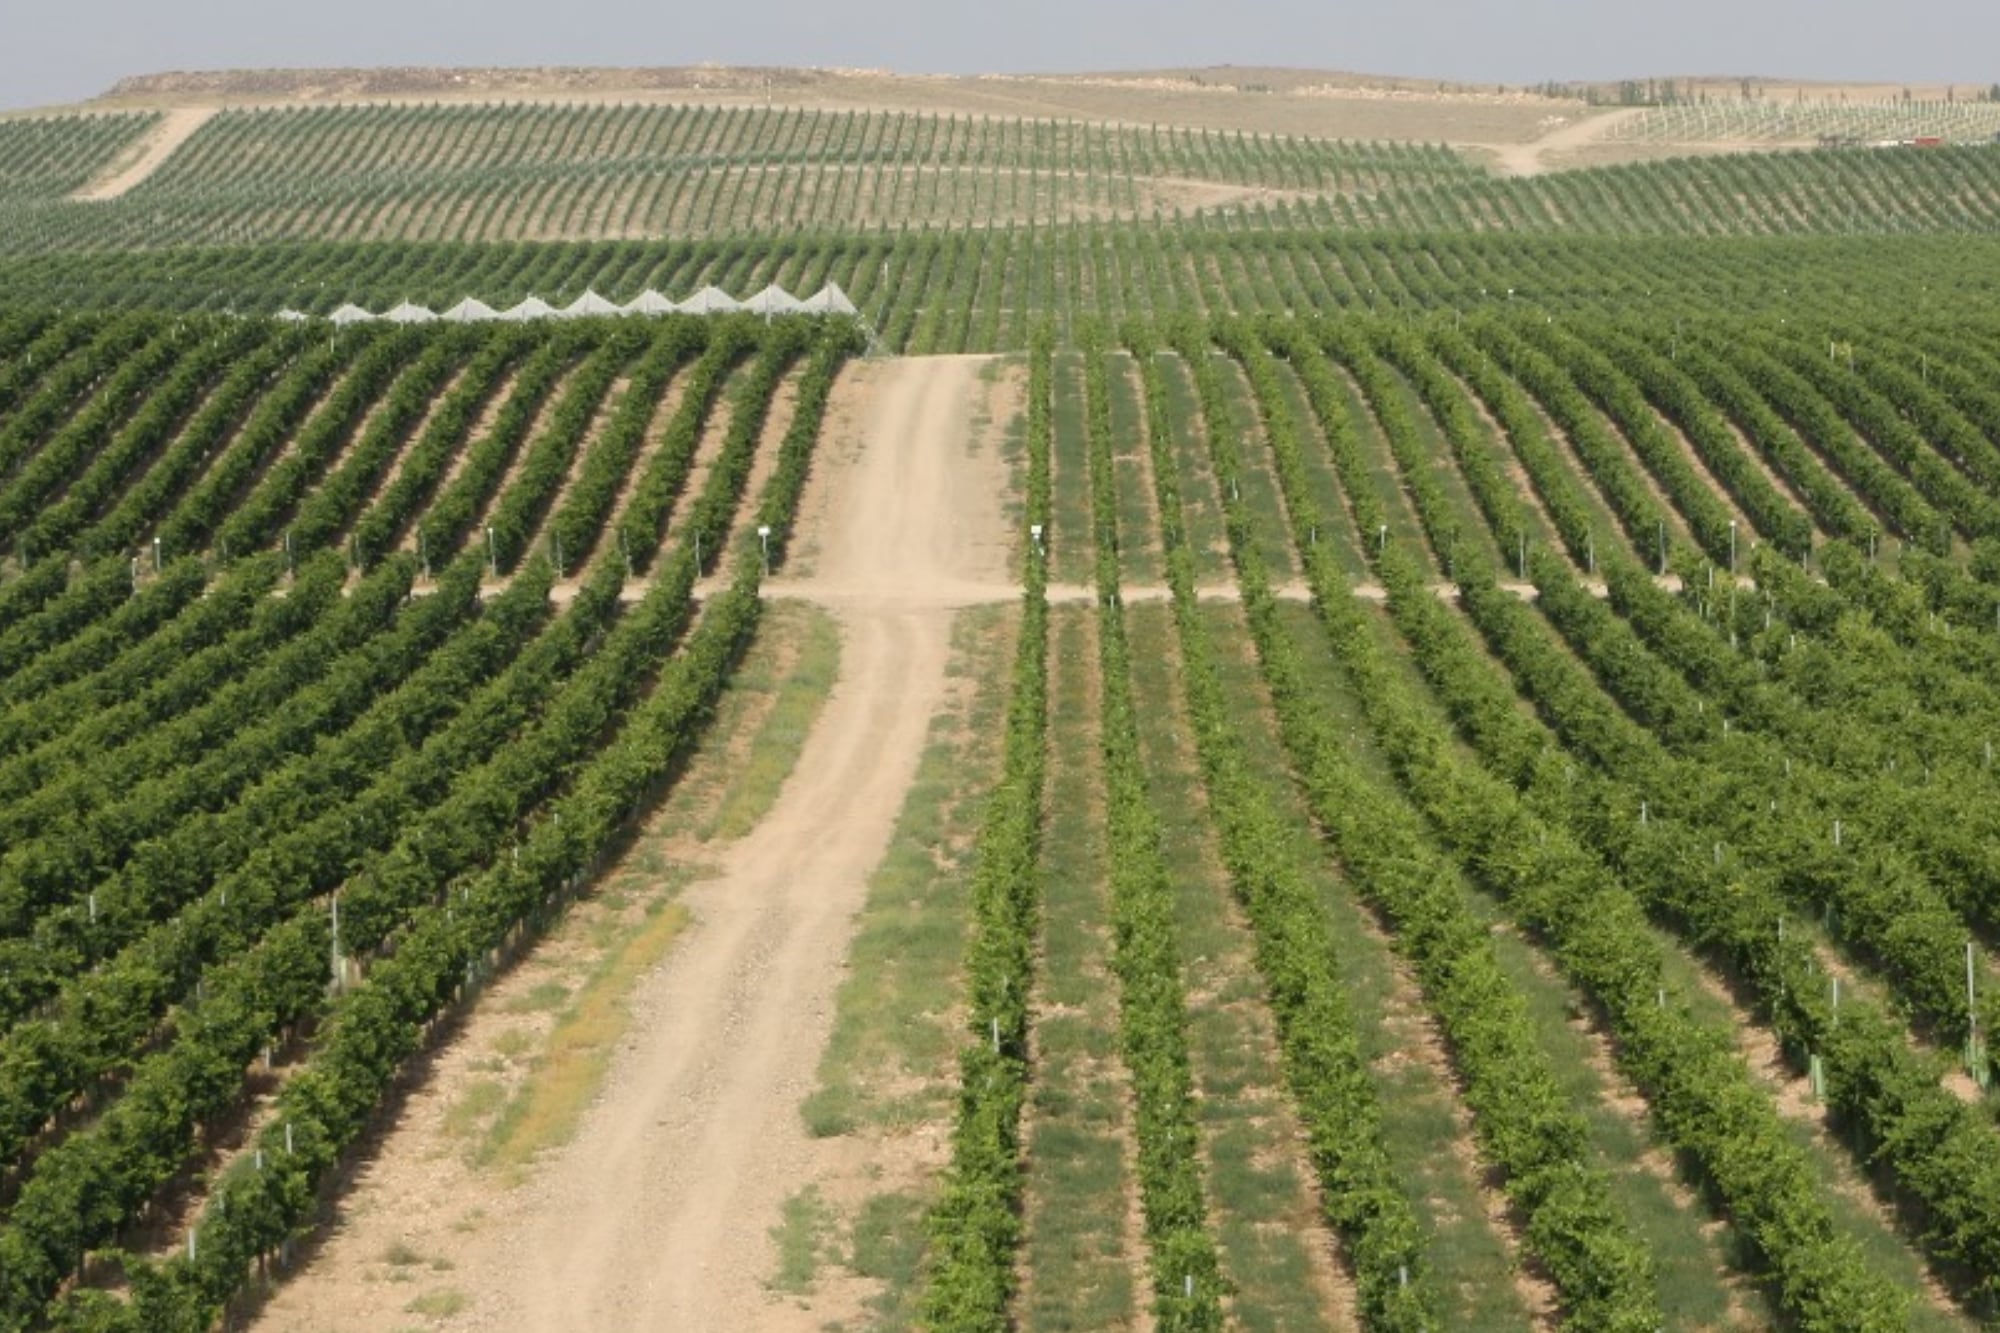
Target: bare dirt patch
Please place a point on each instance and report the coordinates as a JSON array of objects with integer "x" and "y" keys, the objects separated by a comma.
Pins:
[{"x": 1563, "y": 136}]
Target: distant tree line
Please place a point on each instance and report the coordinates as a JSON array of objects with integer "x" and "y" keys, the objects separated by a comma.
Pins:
[{"x": 1684, "y": 92}]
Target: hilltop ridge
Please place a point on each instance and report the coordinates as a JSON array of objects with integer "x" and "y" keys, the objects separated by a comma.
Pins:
[{"x": 788, "y": 82}]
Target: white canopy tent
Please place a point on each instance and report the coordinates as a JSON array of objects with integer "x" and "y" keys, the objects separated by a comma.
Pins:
[
  {"x": 710, "y": 301},
  {"x": 650, "y": 302},
  {"x": 532, "y": 308},
  {"x": 589, "y": 304},
  {"x": 406, "y": 313},
  {"x": 773, "y": 300},
  {"x": 290, "y": 316},
  {"x": 471, "y": 310},
  {"x": 828, "y": 300}
]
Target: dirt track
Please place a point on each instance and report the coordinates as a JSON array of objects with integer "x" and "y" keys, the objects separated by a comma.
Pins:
[
  {"x": 176, "y": 127},
  {"x": 1539, "y": 155},
  {"x": 657, "y": 1215}
]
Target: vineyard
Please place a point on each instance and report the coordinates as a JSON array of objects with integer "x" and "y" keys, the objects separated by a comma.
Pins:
[
  {"x": 1808, "y": 121},
  {"x": 485, "y": 173},
  {"x": 1464, "y": 794},
  {"x": 47, "y": 158},
  {"x": 975, "y": 291},
  {"x": 1721, "y": 823},
  {"x": 548, "y": 173}
]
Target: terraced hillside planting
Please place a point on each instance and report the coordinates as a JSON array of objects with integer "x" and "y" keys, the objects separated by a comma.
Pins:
[{"x": 1279, "y": 733}]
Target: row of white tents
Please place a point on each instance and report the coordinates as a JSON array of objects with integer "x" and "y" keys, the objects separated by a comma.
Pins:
[{"x": 773, "y": 300}]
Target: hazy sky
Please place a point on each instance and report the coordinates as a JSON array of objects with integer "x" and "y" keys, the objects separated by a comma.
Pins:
[{"x": 74, "y": 48}]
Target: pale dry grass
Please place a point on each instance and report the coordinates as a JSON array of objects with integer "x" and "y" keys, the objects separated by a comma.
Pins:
[{"x": 570, "y": 1070}]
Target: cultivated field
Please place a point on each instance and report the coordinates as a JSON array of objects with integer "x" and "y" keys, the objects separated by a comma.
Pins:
[{"x": 1283, "y": 732}]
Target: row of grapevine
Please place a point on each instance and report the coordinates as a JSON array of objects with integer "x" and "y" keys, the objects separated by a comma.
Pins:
[
  {"x": 152, "y": 930},
  {"x": 47, "y": 745},
  {"x": 1700, "y": 1093},
  {"x": 975, "y": 1227},
  {"x": 1296, "y": 952},
  {"x": 416, "y": 781},
  {"x": 1022, "y": 273},
  {"x": 546, "y": 171},
  {"x": 1152, "y": 1005},
  {"x": 1809, "y": 119},
  {"x": 1870, "y": 1073},
  {"x": 1882, "y": 1062},
  {"x": 349, "y": 174},
  {"x": 98, "y": 635},
  {"x": 378, "y": 1024},
  {"x": 1604, "y": 1277},
  {"x": 156, "y": 439},
  {"x": 51, "y": 156}
]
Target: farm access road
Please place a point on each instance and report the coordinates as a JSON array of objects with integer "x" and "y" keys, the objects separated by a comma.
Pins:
[{"x": 658, "y": 1214}]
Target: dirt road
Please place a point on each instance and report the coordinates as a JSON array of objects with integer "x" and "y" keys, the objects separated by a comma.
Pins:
[
  {"x": 1539, "y": 155},
  {"x": 176, "y": 127},
  {"x": 658, "y": 1214}
]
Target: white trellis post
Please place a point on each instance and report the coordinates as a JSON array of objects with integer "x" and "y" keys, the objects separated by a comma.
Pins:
[{"x": 1975, "y": 1054}]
